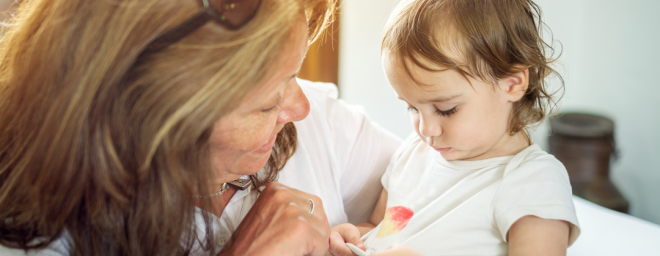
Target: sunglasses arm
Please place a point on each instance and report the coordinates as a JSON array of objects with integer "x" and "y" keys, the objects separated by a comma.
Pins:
[{"x": 179, "y": 32}]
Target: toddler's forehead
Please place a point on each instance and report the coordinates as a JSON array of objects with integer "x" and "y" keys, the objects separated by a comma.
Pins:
[{"x": 420, "y": 72}]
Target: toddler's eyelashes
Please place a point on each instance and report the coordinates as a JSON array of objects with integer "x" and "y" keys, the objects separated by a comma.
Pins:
[
  {"x": 439, "y": 112},
  {"x": 445, "y": 112}
]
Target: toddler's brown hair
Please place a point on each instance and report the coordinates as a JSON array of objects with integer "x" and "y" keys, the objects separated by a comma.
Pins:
[{"x": 483, "y": 39}]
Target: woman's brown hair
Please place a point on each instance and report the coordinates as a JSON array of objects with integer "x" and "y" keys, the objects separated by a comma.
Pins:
[
  {"x": 484, "y": 39},
  {"x": 105, "y": 148}
]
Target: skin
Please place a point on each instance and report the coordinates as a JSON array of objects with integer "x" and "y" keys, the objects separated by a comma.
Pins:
[
  {"x": 477, "y": 104},
  {"x": 449, "y": 112},
  {"x": 241, "y": 141},
  {"x": 279, "y": 223}
]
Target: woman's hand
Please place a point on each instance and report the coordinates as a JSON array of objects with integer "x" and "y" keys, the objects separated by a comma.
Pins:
[
  {"x": 342, "y": 234},
  {"x": 397, "y": 250},
  {"x": 279, "y": 223}
]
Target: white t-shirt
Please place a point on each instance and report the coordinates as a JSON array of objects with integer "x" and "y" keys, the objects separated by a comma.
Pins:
[
  {"x": 340, "y": 157},
  {"x": 441, "y": 207}
]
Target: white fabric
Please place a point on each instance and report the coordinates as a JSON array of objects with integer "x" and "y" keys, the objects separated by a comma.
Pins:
[
  {"x": 340, "y": 157},
  {"x": 467, "y": 207},
  {"x": 610, "y": 233}
]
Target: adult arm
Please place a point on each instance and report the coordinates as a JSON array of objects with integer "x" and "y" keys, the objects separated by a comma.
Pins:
[{"x": 279, "y": 223}]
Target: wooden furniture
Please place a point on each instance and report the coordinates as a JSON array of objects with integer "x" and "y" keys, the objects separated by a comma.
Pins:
[
  {"x": 584, "y": 143},
  {"x": 321, "y": 63}
]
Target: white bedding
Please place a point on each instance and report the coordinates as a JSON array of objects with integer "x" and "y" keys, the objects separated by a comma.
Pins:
[{"x": 606, "y": 232}]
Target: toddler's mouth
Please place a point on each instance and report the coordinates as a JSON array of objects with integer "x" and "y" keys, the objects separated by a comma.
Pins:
[{"x": 442, "y": 150}]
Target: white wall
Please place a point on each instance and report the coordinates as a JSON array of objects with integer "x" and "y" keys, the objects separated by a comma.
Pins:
[
  {"x": 361, "y": 77},
  {"x": 610, "y": 63}
]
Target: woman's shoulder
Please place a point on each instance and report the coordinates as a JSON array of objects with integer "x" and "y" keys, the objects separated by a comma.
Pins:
[{"x": 318, "y": 90}]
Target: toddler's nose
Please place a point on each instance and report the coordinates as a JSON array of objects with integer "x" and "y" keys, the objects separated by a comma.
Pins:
[{"x": 429, "y": 129}]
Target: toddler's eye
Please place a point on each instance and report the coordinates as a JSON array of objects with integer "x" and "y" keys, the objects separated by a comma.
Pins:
[
  {"x": 413, "y": 109},
  {"x": 445, "y": 112}
]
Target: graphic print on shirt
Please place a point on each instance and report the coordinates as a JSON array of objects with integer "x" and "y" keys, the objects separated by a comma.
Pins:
[{"x": 396, "y": 218}]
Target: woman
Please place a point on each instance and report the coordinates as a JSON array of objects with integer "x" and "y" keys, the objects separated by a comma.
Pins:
[
  {"x": 113, "y": 131},
  {"x": 109, "y": 131}
]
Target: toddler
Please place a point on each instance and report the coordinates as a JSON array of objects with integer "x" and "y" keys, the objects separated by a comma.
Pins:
[{"x": 469, "y": 181}]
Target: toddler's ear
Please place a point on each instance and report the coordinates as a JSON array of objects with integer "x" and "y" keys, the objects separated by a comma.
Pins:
[{"x": 516, "y": 85}]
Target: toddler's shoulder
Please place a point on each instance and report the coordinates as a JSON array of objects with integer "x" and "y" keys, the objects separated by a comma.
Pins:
[
  {"x": 535, "y": 161},
  {"x": 534, "y": 167},
  {"x": 534, "y": 183}
]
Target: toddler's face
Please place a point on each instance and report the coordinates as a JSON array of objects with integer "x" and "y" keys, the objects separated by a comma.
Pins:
[{"x": 459, "y": 120}]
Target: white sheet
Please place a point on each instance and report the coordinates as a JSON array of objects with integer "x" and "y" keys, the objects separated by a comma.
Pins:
[{"x": 606, "y": 232}]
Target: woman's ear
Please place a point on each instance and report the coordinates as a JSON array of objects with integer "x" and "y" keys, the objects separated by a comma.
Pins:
[{"x": 516, "y": 85}]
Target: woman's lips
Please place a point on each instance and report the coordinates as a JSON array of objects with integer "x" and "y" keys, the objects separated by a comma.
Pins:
[
  {"x": 266, "y": 147},
  {"x": 442, "y": 150}
]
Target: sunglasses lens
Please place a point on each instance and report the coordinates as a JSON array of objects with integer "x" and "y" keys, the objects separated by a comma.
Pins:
[{"x": 236, "y": 12}]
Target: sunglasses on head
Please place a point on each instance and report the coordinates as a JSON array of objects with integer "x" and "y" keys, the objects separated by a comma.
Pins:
[{"x": 231, "y": 14}]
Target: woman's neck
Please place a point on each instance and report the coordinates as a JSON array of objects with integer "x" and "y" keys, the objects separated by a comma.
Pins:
[{"x": 217, "y": 203}]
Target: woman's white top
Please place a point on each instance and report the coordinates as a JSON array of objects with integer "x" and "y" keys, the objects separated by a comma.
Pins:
[
  {"x": 441, "y": 207},
  {"x": 341, "y": 156}
]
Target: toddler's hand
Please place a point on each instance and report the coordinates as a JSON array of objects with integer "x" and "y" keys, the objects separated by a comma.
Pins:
[{"x": 342, "y": 234}]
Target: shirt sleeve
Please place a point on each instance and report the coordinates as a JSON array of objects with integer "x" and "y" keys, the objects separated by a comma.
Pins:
[
  {"x": 538, "y": 187},
  {"x": 362, "y": 149}
]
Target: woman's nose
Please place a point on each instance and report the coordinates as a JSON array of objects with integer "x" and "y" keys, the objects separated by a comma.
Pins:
[
  {"x": 295, "y": 106},
  {"x": 428, "y": 128}
]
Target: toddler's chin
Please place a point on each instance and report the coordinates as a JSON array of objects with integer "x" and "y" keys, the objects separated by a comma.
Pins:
[
  {"x": 449, "y": 156},
  {"x": 454, "y": 155}
]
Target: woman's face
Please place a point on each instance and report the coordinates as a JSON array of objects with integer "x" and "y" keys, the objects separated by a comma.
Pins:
[{"x": 241, "y": 141}]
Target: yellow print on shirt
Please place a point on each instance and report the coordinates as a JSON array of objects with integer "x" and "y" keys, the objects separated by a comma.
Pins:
[{"x": 396, "y": 218}]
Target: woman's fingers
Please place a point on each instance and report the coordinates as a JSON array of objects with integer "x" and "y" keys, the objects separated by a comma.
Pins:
[
  {"x": 280, "y": 223},
  {"x": 317, "y": 220},
  {"x": 305, "y": 204},
  {"x": 284, "y": 194}
]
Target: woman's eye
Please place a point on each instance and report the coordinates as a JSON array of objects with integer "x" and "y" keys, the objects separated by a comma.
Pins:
[
  {"x": 271, "y": 108},
  {"x": 445, "y": 112},
  {"x": 274, "y": 107}
]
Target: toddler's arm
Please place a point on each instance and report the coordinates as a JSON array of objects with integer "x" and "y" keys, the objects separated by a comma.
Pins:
[
  {"x": 376, "y": 216},
  {"x": 531, "y": 235},
  {"x": 347, "y": 233}
]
